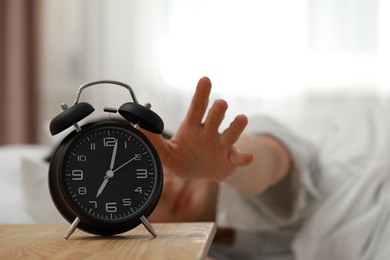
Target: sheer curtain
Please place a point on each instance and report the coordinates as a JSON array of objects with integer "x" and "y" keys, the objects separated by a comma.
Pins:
[
  {"x": 278, "y": 57},
  {"x": 278, "y": 49},
  {"x": 19, "y": 103},
  {"x": 263, "y": 56}
]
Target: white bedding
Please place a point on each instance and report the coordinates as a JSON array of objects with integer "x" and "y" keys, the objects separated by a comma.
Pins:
[
  {"x": 352, "y": 220},
  {"x": 24, "y": 194}
]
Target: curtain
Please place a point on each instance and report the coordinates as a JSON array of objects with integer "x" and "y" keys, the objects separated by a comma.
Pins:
[
  {"x": 275, "y": 57},
  {"x": 19, "y": 71},
  {"x": 259, "y": 54}
]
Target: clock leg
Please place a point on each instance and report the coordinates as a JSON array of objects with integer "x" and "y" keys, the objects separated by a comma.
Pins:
[
  {"x": 72, "y": 228},
  {"x": 148, "y": 226}
]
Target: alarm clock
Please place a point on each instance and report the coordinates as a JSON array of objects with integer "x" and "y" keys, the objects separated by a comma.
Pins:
[{"x": 106, "y": 177}]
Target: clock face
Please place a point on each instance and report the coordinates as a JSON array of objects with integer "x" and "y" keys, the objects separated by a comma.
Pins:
[{"x": 107, "y": 174}]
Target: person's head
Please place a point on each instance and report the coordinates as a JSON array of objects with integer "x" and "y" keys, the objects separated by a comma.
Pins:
[{"x": 185, "y": 200}]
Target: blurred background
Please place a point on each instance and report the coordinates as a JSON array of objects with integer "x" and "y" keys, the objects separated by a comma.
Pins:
[{"x": 285, "y": 58}]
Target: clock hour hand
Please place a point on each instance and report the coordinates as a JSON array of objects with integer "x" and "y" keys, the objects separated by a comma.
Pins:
[
  {"x": 109, "y": 175},
  {"x": 102, "y": 186}
]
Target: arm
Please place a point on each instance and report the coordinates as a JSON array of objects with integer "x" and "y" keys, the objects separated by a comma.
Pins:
[
  {"x": 271, "y": 164},
  {"x": 198, "y": 150}
]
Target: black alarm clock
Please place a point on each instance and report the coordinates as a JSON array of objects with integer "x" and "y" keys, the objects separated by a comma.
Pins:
[{"x": 106, "y": 177}]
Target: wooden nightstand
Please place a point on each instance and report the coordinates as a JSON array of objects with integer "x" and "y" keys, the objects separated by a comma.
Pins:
[{"x": 173, "y": 241}]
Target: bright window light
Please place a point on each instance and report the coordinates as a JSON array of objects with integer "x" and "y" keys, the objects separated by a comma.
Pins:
[{"x": 268, "y": 48}]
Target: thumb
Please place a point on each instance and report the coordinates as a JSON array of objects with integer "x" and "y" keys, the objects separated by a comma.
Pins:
[{"x": 241, "y": 159}]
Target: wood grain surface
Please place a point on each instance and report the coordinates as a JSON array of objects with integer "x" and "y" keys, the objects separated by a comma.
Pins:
[{"x": 173, "y": 241}]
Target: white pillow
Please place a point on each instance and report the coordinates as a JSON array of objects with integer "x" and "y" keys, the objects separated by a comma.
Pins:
[
  {"x": 11, "y": 193},
  {"x": 37, "y": 197}
]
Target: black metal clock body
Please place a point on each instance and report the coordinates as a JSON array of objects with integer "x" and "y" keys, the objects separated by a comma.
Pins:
[{"x": 108, "y": 174}]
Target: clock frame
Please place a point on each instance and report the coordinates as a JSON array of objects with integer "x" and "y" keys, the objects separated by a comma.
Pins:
[{"x": 106, "y": 177}]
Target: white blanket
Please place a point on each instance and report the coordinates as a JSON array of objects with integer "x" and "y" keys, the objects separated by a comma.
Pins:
[{"x": 352, "y": 220}]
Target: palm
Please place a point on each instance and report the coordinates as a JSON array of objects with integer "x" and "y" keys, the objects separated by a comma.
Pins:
[{"x": 199, "y": 150}]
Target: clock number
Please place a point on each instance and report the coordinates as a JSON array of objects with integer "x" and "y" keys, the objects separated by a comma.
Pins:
[
  {"x": 81, "y": 158},
  {"x": 137, "y": 157},
  {"x": 127, "y": 202},
  {"x": 139, "y": 190},
  {"x": 82, "y": 191},
  {"x": 109, "y": 141},
  {"x": 142, "y": 173},
  {"x": 93, "y": 146},
  {"x": 94, "y": 202},
  {"x": 77, "y": 175},
  {"x": 111, "y": 207}
]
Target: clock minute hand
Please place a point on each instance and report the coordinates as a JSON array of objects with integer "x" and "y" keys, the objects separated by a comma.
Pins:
[
  {"x": 114, "y": 154},
  {"x": 109, "y": 173}
]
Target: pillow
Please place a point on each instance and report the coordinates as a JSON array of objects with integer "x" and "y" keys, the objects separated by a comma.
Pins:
[
  {"x": 36, "y": 192},
  {"x": 11, "y": 194}
]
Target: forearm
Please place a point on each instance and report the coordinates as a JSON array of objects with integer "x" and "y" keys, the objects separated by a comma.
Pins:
[{"x": 271, "y": 164}]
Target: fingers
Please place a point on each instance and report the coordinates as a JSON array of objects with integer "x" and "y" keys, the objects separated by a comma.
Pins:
[
  {"x": 199, "y": 102},
  {"x": 233, "y": 132},
  {"x": 215, "y": 117}
]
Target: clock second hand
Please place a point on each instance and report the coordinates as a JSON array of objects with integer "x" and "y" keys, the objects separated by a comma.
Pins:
[
  {"x": 125, "y": 163},
  {"x": 110, "y": 174}
]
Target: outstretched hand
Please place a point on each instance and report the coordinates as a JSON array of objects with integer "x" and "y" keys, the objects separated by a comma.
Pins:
[{"x": 198, "y": 150}]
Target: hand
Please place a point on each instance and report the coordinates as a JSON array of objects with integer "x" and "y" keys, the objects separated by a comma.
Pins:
[
  {"x": 198, "y": 150},
  {"x": 113, "y": 154},
  {"x": 102, "y": 186},
  {"x": 110, "y": 172},
  {"x": 123, "y": 165}
]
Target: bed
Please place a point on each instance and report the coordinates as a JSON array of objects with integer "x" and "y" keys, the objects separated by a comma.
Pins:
[
  {"x": 24, "y": 194},
  {"x": 351, "y": 220}
]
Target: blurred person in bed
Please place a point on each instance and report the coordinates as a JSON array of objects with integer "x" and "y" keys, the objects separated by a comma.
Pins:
[
  {"x": 248, "y": 183},
  {"x": 269, "y": 190},
  {"x": 274, "y": 194}
]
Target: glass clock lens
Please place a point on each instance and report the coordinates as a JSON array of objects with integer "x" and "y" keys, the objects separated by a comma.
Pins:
[{"x": 110, "y": 173}]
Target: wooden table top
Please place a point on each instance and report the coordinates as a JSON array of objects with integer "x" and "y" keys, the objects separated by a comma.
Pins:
[{"x": 46, "y": 241}]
